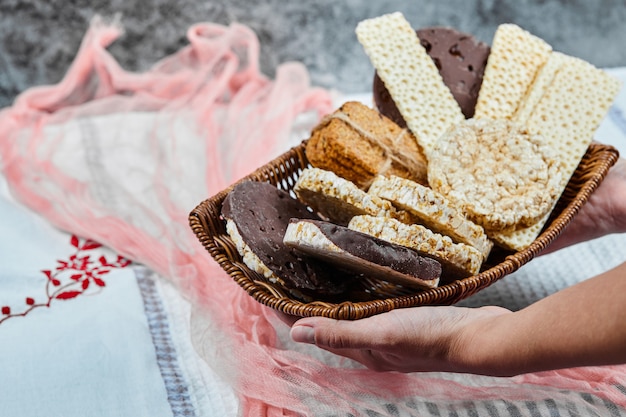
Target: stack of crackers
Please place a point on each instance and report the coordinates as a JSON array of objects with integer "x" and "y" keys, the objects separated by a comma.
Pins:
[{"x": 446, "y": 186}]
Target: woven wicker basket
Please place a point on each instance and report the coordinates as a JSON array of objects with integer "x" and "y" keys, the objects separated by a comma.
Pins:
[{"x": 208, "y": 225}]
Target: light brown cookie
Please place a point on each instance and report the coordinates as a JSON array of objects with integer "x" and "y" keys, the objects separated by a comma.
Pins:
[{"x": 357, "y": 143}]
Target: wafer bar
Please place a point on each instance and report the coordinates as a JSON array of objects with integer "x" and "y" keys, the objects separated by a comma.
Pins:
[
  {"x": 515, "y": 58},
  {"x": 411, "y": 77},
  {"x": 567, "y": 115}
]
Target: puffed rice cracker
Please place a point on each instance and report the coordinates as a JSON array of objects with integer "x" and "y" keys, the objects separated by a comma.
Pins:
[
  {"x": 338, "y": 199},
  {"x": 249, "y": 257},
  {"x": 432, "y": 209},
  {"x": 498, "y": 173},
  {"x": 422, "y": 239}
]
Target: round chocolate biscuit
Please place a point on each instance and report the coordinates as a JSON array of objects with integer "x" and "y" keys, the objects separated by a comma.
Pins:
[
  {"x": 460, "y": 59},
  {"x": 261, "y": 213}
]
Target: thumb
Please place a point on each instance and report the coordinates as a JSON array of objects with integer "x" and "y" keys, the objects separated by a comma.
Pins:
[{"x": 332, "y": 334}]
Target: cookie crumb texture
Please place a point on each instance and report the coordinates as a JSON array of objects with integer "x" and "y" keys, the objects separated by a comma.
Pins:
[{"x": 357, "y": 143}]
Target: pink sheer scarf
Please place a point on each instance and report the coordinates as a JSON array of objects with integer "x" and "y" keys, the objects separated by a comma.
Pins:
[{"x": 122, "y": 158}]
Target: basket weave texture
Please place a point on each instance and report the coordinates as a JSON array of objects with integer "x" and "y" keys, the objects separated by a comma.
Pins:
[{"x": 210, "y": 228}]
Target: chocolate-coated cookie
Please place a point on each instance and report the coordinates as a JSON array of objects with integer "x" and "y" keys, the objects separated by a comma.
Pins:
[
  {"x": 362, "y": 253},
  {"x": 261, "y": 212}
]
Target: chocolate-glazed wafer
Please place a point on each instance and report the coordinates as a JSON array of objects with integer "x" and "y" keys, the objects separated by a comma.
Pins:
[
  {"x": 363, "y": 253},
  {"x": 460, "y": 59},
  {"x": 257, "y": 216}
]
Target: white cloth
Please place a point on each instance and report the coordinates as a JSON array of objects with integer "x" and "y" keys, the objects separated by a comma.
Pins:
[{"x": 119, "y": 350}]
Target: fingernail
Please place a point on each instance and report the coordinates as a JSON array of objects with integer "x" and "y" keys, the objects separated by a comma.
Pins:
[{"x": 303, "y": 334}]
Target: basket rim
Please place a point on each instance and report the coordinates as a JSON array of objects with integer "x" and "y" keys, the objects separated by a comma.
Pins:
[{"x": 447, "y": 294}]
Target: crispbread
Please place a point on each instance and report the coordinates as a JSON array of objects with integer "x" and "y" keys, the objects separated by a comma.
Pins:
[
  {"x": 515, "y": 182},
  {"x": 357, "y": 143},
  {"x": 516, "y": 56},
  {"x": 411, "y": 77},
  {"x": 572, "y": 109},
  {"x": 465, "y": 260},
  {"x": 338, "y": 199},
  {"x": 539, "y": 87},
  {"x": 432, "y": 209},
  {"x": 566, "y": 116}
]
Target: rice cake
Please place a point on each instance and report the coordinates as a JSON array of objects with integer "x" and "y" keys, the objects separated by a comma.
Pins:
[
  {"x": 499, "y": 174},
  {"x": 458, "y": 260},
  {"x": 361, "y": 253},
  {"x": 433, "y": 210},
  {"x": 338, "y": 199}
]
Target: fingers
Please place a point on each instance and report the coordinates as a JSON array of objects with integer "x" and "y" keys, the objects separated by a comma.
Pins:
[
  {"x": 404, "y": 340},
  {"x": 303, "y": 334},
  {"x": 350, "y": 339},
  {"x": 333, "y": 334},
  {"x": 384, "y": 331}
]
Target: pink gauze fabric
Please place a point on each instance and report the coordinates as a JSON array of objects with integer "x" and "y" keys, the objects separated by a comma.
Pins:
[{"x": 122, "y": 158}]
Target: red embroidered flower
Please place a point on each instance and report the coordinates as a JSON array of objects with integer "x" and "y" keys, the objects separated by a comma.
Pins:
[{"x": 72, "y": 277}]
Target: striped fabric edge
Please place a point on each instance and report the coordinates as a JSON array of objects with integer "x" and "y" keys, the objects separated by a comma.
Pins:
[
  {"x": 569, "y": 404},
  {"x": 178, "y": 395}
]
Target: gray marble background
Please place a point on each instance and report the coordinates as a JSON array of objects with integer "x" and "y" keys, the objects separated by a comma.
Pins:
[{"x": 39, "y": 38}]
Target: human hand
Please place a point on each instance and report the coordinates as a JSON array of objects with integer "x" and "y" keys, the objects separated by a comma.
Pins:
[
  {"x": 582, "y": 325},
  {"x": 604, "y": 213},
  {"x": 404, "y": 340},
  {"x": 460, "y": 339}
]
